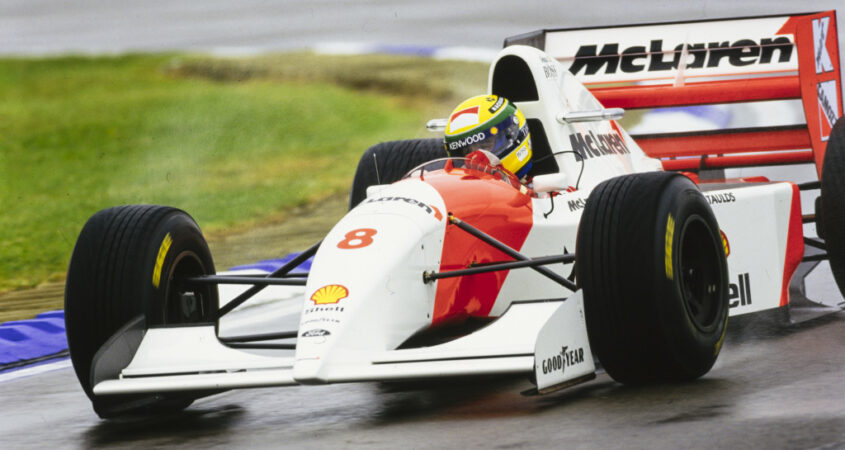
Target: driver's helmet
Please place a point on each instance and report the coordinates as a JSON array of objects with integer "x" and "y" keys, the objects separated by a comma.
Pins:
[{"x": 492, "y": 123}]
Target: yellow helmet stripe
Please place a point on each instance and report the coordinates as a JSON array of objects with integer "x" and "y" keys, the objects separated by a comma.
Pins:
[{"x": 514, "y": 160}]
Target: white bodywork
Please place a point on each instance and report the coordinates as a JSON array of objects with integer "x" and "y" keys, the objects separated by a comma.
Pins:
[{"x": 365, "y": 294}]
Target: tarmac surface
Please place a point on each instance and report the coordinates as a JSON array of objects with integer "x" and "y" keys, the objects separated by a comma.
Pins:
[{"x": 774, "y": 386}]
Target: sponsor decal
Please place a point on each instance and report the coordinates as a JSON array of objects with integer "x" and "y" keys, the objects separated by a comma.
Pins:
[
  {"x": 670, "y": 235},
  {"x": 564, "y": 359},
  {"x": 725, "y": 243},
  {"x": 522, "y": 153},
  {"x": 496, "y": 106},
  {"x": 162, "y": 253},
  {"x": 463, "y": 118},
  {"x": 828, "y": 105},
  {"x": 654, "y": 58},
  {"x": 739, "y": 294},
  {"x": 549, "y": 67},
  {"x": 823, "y": 62},
  {"x": 592, "y": 145},
  {"x": 321, "y": 320},
  {"x": 322, "y": 309},
  {"x": 430, "y": 209},
  {"x": 469, "y": 140},
  {"x": 329, "y": 294},
  {"x": 578, "y": 203},
  {"x": 317, "y": 332},
  {"x": 724, "y": 197},
  {"x": 437, "y": 214}
]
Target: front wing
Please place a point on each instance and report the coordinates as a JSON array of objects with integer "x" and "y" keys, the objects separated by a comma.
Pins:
[{"x": 530, "y": 336}]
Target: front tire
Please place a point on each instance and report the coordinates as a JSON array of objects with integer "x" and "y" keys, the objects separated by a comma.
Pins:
[
  {"x": 652, "y": 267},
  {"x": 130, "y": 261}
]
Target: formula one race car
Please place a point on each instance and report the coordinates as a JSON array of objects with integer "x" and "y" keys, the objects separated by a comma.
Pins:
[{"x": 449, "y": 267}]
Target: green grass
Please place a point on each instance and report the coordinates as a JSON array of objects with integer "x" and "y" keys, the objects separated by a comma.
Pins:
[
  {"x": 449, "y": 81},
  {"x": 233, "y": 142}
]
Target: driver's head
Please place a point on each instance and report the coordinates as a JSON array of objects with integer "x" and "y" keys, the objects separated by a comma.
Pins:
[{"x": 492, "y": 123}]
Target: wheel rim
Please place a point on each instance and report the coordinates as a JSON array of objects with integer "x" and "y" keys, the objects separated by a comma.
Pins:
[
  {"x": 700, "y": 268},
  {"x": 186, "y": 303}
]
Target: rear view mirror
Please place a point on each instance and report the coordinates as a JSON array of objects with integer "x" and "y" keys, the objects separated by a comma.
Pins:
[
  {"x": 436, "y": 125},
  {"x": 591, "y": 116}
]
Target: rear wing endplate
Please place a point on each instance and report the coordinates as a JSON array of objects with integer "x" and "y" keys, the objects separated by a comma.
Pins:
[{"x": 781, "y": 57}]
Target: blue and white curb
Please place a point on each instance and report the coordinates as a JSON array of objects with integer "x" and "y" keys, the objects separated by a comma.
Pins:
[
  {"x": 27, "y": 342},
  {"x": 271, "y": 265},
  {"x": 477, "y": 54}
]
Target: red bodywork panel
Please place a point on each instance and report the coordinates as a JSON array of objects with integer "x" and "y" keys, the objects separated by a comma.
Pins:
[
  {"x": 794, "y": 244},
  {"x": 496, "y": 208},
  {"x": 775, "y": 88}
]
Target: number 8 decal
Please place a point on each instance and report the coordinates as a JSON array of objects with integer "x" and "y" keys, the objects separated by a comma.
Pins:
[{"x": 359, "y": 238}]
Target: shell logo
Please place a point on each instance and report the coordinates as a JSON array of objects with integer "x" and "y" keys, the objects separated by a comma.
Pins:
[
  {"x": 331, "y": 293},
  {"x": 725, "y": 243}
]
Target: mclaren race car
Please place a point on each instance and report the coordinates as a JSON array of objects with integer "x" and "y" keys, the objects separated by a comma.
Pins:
[{"x": 626, "y": 252}]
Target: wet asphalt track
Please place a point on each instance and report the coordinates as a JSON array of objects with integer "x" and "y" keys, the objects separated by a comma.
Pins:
[{"x": 773, "y": 387}]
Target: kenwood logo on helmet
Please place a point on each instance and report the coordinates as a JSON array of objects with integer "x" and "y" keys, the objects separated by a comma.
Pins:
[
  {"x": 477, "y": 137},
  {"x": 742, "y": 52}
]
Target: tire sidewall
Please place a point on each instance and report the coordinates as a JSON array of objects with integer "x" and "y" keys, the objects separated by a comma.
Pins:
[
  {"x": 693, "y": 348},
  {"x": 161, "y": 260},
  {"x": 833, "y": 202}
]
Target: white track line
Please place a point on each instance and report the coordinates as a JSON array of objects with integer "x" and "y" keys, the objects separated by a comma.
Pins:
[{"x": 34, "y": 370}]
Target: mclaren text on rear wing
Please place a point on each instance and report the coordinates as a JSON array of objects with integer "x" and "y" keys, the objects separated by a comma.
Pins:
[{"x": 707, "y": 62}]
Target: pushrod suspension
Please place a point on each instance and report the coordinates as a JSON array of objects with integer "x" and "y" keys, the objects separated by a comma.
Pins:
[
  {"x": 493, "y": 242},
  {"x": 258, "y": 337},
  {"x": 819, "y": 257},
  {"x": 810, "y": 185},
  {"x": 815, "y": 243},
  {"x": 247, "y": 345},
  {"x": 257, "y": 281},
  {"x": 278, "y": 273},
  {"x": 494, "y": 267}
]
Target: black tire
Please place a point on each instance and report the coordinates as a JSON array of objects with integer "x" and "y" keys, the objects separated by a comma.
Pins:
[
  {"x": 832, "y": 215},
  {"x": 387, "y": 162},
  {"x": 119, "y": 255},
  {"x": 655, "y": 290}
]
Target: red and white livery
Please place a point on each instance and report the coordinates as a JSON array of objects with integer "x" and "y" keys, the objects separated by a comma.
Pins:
[{"x": 422, "y": 278}]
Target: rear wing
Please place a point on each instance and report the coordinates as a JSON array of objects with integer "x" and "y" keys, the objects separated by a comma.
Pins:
[{"x": 726, "y": 61}]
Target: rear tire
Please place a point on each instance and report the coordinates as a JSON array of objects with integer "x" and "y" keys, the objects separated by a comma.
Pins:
[
  {"x": 387, "y": 162},
  {"x": 832, "y": 214},
  {"x": 651, "y": 264},
  {"x": 128, "y": 261}
]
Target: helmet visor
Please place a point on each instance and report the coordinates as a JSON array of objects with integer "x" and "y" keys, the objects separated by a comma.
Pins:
[{"x": 498, "y": 139}]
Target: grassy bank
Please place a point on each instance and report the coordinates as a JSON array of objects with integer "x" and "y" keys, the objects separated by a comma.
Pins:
[{"x": 233, "y": 142}]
